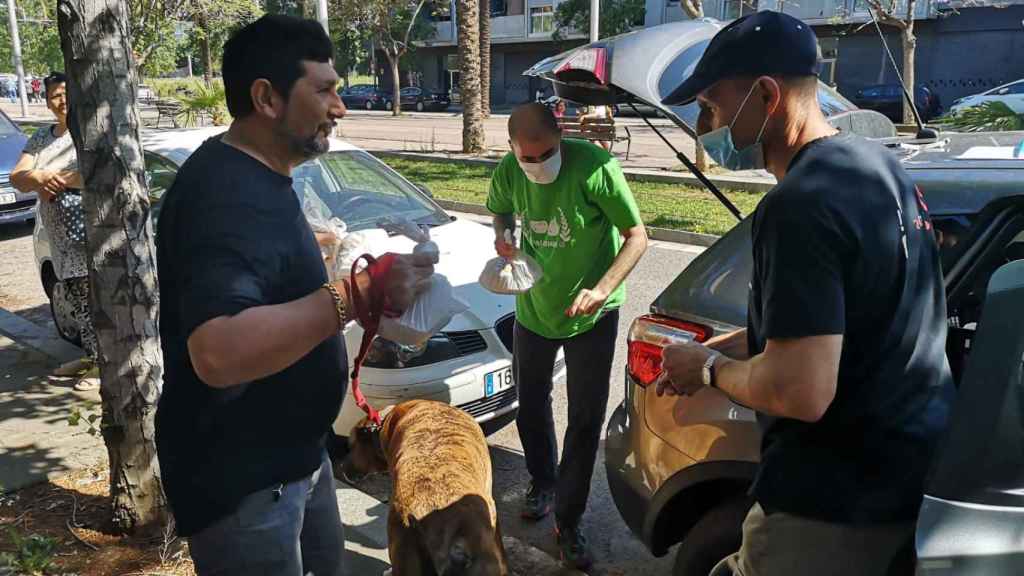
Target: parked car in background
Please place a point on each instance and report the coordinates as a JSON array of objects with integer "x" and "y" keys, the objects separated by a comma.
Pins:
[
  {"x": 888, "y": 99},
  {"x": 679, "y": 468},
  {"x": 15, "y": 206},
  {"x": 468, "y": 364},
  {"x": 1011, "y": 94},
  {"x": 420, "y": 100},
  {"x": 455, "y": 96},
  {"x": 365, "y": 96}
]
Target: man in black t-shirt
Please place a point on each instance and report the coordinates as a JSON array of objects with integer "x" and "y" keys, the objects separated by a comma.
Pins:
[
  {"x": 255, "y": 367},
  {"x": 844, "y": 355}
]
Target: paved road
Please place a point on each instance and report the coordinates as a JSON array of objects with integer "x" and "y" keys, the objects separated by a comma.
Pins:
[{"x": 617, "y": 551}]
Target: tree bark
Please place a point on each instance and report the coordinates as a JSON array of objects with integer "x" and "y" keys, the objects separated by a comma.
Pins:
[
  {"x": 469, "y": 76},
  {"x": 204, "y": 43},
  {"x": 699, "y": 157},
  {"x": 909, "y": 50},
  {"x": 396, "y": 80},
  {"x": 104, "y": 124},
  {"x": 485, "y": 58},
  {"x": 693, "y": 8}
]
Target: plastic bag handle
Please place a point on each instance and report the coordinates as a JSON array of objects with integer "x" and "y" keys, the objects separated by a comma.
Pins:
[{"x": 369, "y": 311}]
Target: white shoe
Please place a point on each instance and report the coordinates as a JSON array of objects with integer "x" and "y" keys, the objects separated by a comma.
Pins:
[{"x": 90, "y": 380}]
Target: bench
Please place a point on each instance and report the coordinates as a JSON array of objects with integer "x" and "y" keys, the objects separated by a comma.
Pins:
[
  {"x": 169, "y": 109},
  {"x": 596, "y": 130}
]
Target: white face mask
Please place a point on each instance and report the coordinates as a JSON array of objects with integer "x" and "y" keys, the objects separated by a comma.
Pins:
[{"x": 544, "y": 172}]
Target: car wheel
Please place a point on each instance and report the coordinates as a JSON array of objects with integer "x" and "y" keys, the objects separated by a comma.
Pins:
[
  {"x": 715, "y": 536},
  {"x": 494, "y": 425},
  {"x": 389, "y": 106},
  {"x": 369, "y": 105},
  {"x": 63, "y": 316},
  {"x": 420, "y": 107}
]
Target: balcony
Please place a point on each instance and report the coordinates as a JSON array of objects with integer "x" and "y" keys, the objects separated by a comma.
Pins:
[{"x": 508, "y": 27}]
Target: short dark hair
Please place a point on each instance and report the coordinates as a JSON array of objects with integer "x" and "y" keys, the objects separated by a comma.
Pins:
[
  {"x": 271, "y": 48},
  {"x": 532, "y": 120},
  {"x": 54, "y": 79}
]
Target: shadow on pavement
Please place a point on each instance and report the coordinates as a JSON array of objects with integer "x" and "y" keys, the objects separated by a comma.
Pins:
[{"x": 18, "y": 230}]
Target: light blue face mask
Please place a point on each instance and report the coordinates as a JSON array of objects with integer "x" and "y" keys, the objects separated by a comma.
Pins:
[{"x": 719, "y": 145}]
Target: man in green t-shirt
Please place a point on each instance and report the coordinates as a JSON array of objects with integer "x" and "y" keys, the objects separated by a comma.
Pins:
[{"x": 582, "y": 226}]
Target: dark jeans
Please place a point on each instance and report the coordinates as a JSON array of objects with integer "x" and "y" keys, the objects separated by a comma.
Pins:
[
  {"x": 295, "y": 533},
  {"x": 588, "y": 359}
]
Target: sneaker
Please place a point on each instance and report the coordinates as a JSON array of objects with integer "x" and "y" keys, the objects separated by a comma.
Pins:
[
  {"x": 73, "y": 368},
  {"x": 572, "y": 547},
  {"x": 538, "y": 503},
  {"x": 90, "y": 380}
]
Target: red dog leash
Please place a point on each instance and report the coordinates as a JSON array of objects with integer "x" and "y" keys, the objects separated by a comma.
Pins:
[{"x": 369, "y": 311}]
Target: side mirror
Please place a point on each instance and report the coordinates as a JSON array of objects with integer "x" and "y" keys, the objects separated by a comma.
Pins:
[{"x": 425, "y": 189}]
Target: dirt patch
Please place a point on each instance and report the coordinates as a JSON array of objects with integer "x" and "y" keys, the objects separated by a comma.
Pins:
[{"x": 73, "y": 511}]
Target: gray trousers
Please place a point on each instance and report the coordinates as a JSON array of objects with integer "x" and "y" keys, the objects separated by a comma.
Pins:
[
  {"x": 781, "y": 544},
  {"x": 295, "y": 534}
]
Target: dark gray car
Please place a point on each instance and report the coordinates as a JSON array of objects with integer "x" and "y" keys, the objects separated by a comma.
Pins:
[{"x": 679, "y": 468}]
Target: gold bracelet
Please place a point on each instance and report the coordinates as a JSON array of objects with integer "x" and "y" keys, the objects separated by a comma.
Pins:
[{"x": 339, "y": 304}]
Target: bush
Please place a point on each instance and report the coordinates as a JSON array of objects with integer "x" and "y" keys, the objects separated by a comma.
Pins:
[
  {"x": 986, "y": 117},
  {"x": 205, "y": 102}
]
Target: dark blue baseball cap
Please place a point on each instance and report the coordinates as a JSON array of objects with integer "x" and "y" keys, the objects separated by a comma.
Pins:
[{"x": 762, "y": 44}]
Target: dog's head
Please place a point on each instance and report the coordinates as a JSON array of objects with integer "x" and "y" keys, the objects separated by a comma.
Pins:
[{"x": 366, "y": 451}]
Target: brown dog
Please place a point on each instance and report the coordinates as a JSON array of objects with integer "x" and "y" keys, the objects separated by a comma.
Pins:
[{"x": 442, "y": 520}]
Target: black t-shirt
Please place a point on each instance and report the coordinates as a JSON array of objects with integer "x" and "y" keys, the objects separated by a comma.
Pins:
[
  {"x": 843, "y": 245},
  {"x": 232, "y": 236}
]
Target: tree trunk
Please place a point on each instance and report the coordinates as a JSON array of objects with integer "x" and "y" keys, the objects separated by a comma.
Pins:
[
  {"x": 909, "y": 48},
  {"x": 396, "y": 80},
  {"x": 104, "y": 123},
  {"x": 485, "y": 58},
  {"x": 469, "y": 76},
  {"x": 204, "y": 43},
  {"x": 699, "y": 157}
]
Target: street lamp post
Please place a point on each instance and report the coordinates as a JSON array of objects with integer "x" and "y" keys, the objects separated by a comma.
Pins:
[
  {"x": 321, "y": 15},
  {"x": 595, "y": 19},
  {"x": 12, "y": 19}
]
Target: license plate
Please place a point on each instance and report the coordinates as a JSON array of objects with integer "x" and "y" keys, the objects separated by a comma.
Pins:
[
  {"x": 7, "y": 198},
  {"x": 498, "y": 382}
]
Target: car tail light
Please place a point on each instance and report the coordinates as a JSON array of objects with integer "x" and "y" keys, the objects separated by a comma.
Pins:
[
  {"x": 648, "y": 337},
  {"x": 591, "y": 60}
]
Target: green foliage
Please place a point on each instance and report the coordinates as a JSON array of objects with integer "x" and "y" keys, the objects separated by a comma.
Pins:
[
  {"x": 205, "y": 102},
  {"x": 33, "y": 554},
  {"x": 617, "y": 17},
  {"x": 986, "y": 117},
  {"x": 91, "y": 418},
  {"x": 173, "y": 87}
]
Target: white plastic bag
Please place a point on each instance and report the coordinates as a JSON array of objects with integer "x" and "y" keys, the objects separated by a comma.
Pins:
[
  {"x": 514, "y": 275},
  {"x": 353, "y": 245},
  {"x": 428, "y": 314}
]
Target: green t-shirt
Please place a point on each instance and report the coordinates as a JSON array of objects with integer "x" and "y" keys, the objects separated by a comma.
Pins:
[{"x": 571, "y": 228}]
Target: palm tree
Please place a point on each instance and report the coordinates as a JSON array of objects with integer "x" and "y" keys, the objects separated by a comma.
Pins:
[
  {"x": 469, "y": 76},
  {"x": 485, "y": 58},
  {"x": 986, "y": 117}
]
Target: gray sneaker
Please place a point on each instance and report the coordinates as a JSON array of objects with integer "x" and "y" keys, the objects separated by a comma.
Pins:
[
  {"x": 538, "y": 503},
  {"x": 573, "y": 548}
]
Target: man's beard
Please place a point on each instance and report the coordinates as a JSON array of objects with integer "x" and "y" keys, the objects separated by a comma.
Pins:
[{"x": 307, "y": 147}]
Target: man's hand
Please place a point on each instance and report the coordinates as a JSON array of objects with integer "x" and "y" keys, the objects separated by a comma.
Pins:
[
  {"x": 410, "y": 277},
  {"x": 503, "y": 248},
  {"x": 683, "y": 366},
  {"x": 587, "y": 302}
]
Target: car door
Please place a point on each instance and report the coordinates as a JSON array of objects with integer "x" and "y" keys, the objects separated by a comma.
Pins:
[
  {"x": 1013, "y": 96},
  {"x": 160, "y": 175},
  {"x": 409, "y": 97}
]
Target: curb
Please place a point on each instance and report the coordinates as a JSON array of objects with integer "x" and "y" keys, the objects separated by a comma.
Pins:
[
  {"x": 727, "y": 182},
  {"x": 662, "y": 234},
  {"x": 34, "y": 336}
]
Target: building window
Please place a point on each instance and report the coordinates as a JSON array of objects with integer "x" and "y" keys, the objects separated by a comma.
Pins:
[
  {"x": 440, "y": 10},
  {"x": 499, "y": 8},
  {"x": 733, "y": 9},
  {"x": 542, "y": 19}
]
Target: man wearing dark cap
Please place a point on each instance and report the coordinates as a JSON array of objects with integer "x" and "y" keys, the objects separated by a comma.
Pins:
[
  {"x": 844, "y": 354},
  {"x": 582, "y": 226}
]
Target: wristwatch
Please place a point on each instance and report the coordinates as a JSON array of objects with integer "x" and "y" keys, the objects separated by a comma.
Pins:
[{"x": 708, "y": 372}]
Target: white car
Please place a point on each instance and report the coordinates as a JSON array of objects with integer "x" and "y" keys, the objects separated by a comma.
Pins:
[
  {"x": 1011, "y": 94},
  {"x": 467, "y": 365}
]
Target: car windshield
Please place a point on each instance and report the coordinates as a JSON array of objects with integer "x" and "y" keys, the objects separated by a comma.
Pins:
[
  {"x": 7, "y": 128},
  {"x": 361, "y": 191}
]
